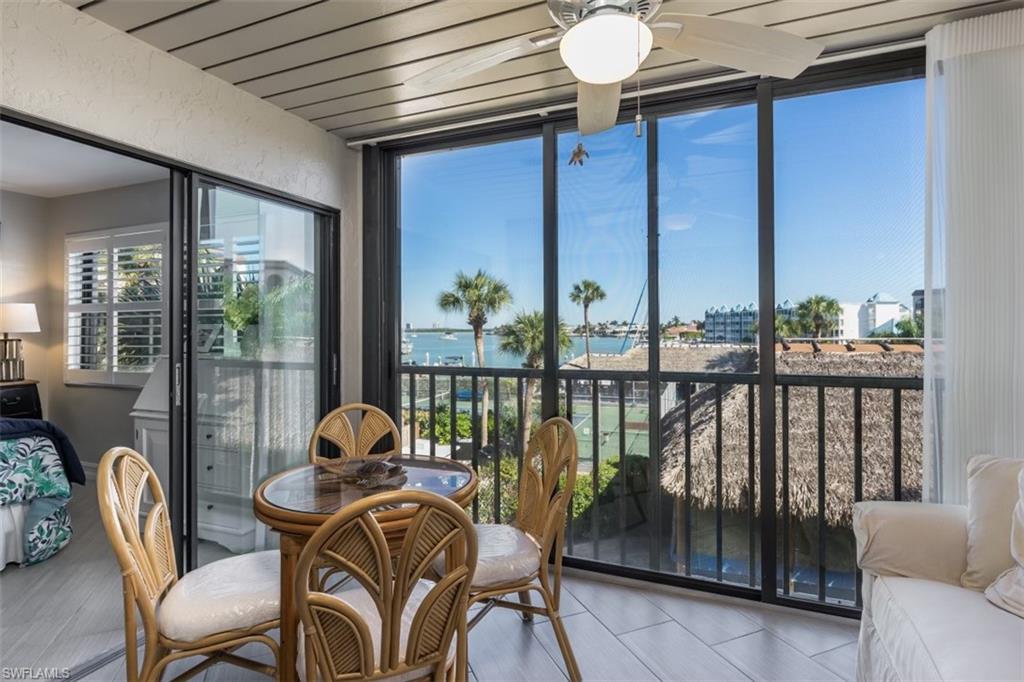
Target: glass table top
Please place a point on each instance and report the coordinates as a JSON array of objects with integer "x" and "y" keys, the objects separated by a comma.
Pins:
[{"x": 318, "y": 489}]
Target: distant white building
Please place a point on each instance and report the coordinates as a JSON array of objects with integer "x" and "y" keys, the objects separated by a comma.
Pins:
[{"x": 879, "y": 314}]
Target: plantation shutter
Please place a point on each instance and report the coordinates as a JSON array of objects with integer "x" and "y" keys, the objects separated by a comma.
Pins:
[{"x": 114, "y": 305}]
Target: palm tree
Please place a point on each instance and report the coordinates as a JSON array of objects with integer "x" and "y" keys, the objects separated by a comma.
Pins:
[
  {"x": 584, "y": 293},
  {"x": 818, "y": 313},
  {"x": 524, "y": 336},
  {"x": 786, "y": 327},
  {"x": 477, "y": 295}
]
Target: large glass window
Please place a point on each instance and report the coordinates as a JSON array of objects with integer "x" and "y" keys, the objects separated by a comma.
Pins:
[
  {"x": 708, "y": 289},
  {"x": 670, "y": 449},
  {"x": 603, "y": 292},
  {"x": 707, "y": 208},
  {"x": 849, "y": 245},
  {"x": 471, "y": 230},
  {"x": 472, "y": 254}
]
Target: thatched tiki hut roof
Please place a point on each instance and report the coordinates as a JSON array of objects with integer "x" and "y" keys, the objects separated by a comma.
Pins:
[{"x": 877, "y": 451}]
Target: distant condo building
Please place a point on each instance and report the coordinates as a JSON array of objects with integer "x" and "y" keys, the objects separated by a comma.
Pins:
[
  {"x": 877, "y": 315},
  {"x": 738, "y": 324}
]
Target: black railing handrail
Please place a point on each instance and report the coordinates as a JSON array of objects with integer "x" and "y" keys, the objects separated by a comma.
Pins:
[
  {"x": 738, "y": 378},
  {"x": 468, "y": 372},
  {"x": 850, "y": 381}
]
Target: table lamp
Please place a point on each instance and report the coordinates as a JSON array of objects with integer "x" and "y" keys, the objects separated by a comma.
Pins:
[{"x": 15, "y": 318}]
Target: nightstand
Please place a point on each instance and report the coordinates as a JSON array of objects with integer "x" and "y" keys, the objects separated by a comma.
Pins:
[{"x": 20, "y": 399}]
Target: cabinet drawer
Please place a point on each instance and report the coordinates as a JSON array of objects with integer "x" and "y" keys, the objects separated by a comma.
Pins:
[
  {"x": 220, "y": 436},
  {"x": 223, "y": 470},
  {"x": 20, "y": 401}
]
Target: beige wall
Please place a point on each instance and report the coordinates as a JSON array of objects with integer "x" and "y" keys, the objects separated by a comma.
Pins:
[
  {"x": 352, "y": 281},
  {"x": 62, "y": 65},
  {"x": 96, "y": 418},
  {"x": 24, "y": 245}
]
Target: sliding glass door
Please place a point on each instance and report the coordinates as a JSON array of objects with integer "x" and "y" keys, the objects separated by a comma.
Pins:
[{"x": 258, "y": 353}]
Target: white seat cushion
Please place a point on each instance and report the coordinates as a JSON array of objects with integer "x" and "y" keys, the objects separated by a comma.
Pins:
[
  {"x": 230, "y": 594},
  {"x": 505, "y": 554},
  {"x": 353, "y": 594},
  {"x": 937, "y": 631}
]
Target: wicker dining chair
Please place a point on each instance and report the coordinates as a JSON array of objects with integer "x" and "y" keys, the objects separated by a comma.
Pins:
[
  {"x": 526, "y": 556},
  {"x": 389, "y": 623},
  {"x": 336, "y": 427},
  {"x": 211, "y": 611}
]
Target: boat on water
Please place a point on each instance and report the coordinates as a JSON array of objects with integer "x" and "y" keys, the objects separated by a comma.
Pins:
[
  {"x": 453, "y": 361},
  {"x": 448, "y": 336},
  {"x": 406, "y": 346}
]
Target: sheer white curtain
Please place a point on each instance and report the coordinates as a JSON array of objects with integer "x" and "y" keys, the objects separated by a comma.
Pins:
[{"x": 974, "y": 275}]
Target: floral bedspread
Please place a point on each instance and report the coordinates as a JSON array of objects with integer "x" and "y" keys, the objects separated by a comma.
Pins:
[{"x": 31, "y": 472}]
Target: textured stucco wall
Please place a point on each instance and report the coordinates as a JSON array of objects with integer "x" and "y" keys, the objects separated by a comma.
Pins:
[
  {"x": 23, "y": 256},
  {"x": 61, "y": 65}
]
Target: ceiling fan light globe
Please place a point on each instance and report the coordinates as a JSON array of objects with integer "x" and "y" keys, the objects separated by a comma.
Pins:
[{"x": 607, "y": 48}]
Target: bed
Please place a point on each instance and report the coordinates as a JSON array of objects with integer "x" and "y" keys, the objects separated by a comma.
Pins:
[{"x": 38, "y": 464}]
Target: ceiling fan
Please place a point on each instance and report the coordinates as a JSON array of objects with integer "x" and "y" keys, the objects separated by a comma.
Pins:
[{"x": 603, "y": 42}]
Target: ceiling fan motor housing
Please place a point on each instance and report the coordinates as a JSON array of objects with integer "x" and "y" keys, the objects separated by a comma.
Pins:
[{"x": 568, "y": 13}]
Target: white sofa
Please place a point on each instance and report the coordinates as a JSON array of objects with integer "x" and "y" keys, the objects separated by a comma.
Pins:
[{"x": 918, "y": 623}]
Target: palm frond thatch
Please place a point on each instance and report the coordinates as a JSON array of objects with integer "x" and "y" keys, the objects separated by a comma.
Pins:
[{"x": 802, "y": 438}]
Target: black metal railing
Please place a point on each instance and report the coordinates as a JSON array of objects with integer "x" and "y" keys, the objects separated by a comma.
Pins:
[{"x": 691, "y": 507}]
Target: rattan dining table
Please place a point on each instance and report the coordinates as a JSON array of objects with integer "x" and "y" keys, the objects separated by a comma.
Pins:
[{"x": 297, "y": 501}]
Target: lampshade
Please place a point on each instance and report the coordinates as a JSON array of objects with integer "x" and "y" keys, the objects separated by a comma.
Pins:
[
  {"x": 606, "y": 48},
  {"x": 18, "y": 318}
]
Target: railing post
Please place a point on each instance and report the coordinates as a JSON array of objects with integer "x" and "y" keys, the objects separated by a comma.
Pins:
[
  {"x": 822, "y": 526},
  {"x": 718, "y": 481},
  {"x": 432, "y": 387},
  {"x": 897, "y": 445},
  {"x": 475, "y": 443}
]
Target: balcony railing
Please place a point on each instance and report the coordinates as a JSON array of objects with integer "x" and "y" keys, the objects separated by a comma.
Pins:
[{"x": 690, "y": 507}]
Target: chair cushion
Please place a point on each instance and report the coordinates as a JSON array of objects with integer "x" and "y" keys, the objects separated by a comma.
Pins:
[
  {"x": 356, "y": 596},
  {"x": 231, "y": 594},
  {"x": 505, "y": 554},
  {"x": 937, "y": 631}
]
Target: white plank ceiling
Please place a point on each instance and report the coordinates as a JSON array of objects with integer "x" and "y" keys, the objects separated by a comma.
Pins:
[{"x": 341, "y": 63}]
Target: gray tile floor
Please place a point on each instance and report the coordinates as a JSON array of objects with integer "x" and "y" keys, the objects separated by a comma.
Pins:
[{"x": 631, "y": 631}]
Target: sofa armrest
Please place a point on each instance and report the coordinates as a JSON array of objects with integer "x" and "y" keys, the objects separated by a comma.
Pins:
[{"x": 911, "y": 539}]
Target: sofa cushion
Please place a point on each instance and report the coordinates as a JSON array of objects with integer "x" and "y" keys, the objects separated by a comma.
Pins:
[
  {"x": 1007, "y": 592},
  {"x": 936, "y": 631},
  {"x": 991, "y": 496}
]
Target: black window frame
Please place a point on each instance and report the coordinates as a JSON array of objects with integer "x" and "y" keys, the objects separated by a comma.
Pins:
[{"x": 382, "y": 269}]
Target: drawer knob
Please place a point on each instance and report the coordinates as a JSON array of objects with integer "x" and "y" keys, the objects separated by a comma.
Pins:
[
  {"x": 209, "y": 467},
  {"x": 209, "y": 507}
]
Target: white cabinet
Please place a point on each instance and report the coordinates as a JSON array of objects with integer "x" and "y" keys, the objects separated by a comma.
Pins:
[{"x": 224, "y": 456}]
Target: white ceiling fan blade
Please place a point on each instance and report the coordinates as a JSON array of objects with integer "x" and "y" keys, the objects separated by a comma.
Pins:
[
  {"x": 485, "y": 57},
  {"x": 597, "y": 106},
  {"x": 745, "y": 47}
]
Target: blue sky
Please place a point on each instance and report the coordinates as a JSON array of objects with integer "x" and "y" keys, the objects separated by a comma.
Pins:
[{"x": 849, "y": 209}]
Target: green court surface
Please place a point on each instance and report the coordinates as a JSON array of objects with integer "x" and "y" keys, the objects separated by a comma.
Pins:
[{"x": 608, "y": 429}]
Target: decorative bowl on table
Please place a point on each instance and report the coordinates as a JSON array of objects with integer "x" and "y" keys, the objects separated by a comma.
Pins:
[{"x": 369, "y": 474}]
